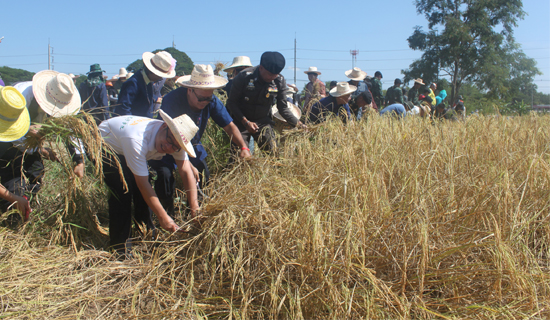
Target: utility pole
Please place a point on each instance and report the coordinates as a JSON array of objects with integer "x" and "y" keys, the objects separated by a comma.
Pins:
[
  {"x": 49, "y": 66},
  {"x": 354, "y": 54},
  {"x": 173, "y": 43},
  {"x": 294, "y": 58}
]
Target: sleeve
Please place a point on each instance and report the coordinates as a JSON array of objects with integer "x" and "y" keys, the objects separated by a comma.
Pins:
[
  {"x": 76, "y": 149},
  {"x": 399, "y": 94},
  {"x": 282, "y": 105},
  {"x": 136, "y": 161},
  {"x": 348, "y": 112},
  {"x": 235, "y": 95},
  {"x": 182, "y": 155},
  {"x": 104, "y": 96},
  {"x": 313, "y": 114},
  {"x": 126, "y": 98},
  {"x": 219, "y": 113}
]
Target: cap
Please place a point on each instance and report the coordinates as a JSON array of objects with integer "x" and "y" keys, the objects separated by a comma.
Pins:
[
  {"x": 273, "y": 61},
  {"x": 378, "y": 73},
  {"x": 398, "y": 81}
]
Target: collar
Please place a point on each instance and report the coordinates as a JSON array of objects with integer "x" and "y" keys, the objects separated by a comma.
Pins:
[{"x": 145, "y": 77}]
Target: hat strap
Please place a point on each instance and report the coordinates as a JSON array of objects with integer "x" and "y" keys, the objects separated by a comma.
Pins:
[
  {"x": 7, "y": 119},
  {"x": 54, "y": 98},
  {"x": 159, "y": 68}
]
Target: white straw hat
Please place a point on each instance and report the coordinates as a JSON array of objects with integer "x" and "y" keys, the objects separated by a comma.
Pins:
[
  {"x": 356, "y": 74},
  {"x": 183, "y": 129},
  {"x": 341, "y": 89},
  {"x": 312, "y": 70},
  {"x": 161, "y": 63},
  {"x": 56, "y": 93},
  {"x": 293, "y": 108},
  {"x": 419, "y": 81},
  {"x": 129, "y": 75},
  {"x": 122, "y": 73},
  {"x": 240, "y": 61},
  {"x": 202, "y": 77}
]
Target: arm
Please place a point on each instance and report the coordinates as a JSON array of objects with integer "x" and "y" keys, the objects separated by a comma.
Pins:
[
  {"x": 21, "y": 204},
  {"x": 237, "y": 91},
  {"x": 235, "y": 135},
  {"x": 189, "y": 184},
  {"x": 284, "y": 110},
  {"x": 126, "y": 97},
  {"x": 153, "y": 202}
]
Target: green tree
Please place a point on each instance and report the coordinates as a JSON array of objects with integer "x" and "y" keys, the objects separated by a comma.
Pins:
[
  {"x": 12, "y": 75},
  {"x": 184, "y": 64},
  {"x": 475, "y": 45}
]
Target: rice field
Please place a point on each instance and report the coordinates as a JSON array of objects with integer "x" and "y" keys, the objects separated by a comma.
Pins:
[{"x": 381, "y": 219}]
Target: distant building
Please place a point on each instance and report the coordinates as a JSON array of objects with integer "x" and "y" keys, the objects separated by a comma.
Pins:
[{"x": 541, "y": 108}]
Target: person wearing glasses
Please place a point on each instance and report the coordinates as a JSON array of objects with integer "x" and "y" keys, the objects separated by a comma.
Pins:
[
  {"x": 140, "y": 92},
  {"x": 197, "y": 100},
  {"x": 135, "y": 140}
]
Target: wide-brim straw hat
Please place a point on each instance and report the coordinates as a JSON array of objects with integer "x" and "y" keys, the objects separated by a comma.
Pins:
[
  {"x": 293, "y": 108},
  {"x": 312, "y": 70},
  {"x": 14, "y": 116},
  {"x": 56, "y": 93},
  {"x": 240, "y": 61},
  {"x": 419, "y": 81},
  {"x": 341, "y": 89},
  {"x": 122, "y": 73},
  {"x": 129, "y": 75},
  {"x": 202, "y": 77},
  {"x": 356, "y": 74},
  {"x": 183, "y": 129},
  {"x": 161, "y": 63}
]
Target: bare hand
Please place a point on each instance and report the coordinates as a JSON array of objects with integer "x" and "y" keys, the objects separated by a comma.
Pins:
[
  {"x": 301, "y": 125},
  {"x": 168, "y": 224},
  {"x": 33, "y": 131},
  {"x": 196, "y": 173},
  {"x": 245, "y": 154},
  {"x": 23, "y": 206},
  {"x": 252, "y": 127},
  {"x": 48, "y": 154},
  {"x": 79, "y": 170}
]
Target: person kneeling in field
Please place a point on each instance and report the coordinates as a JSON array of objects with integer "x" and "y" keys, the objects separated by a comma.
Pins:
[{"x": 136, "y": 140}]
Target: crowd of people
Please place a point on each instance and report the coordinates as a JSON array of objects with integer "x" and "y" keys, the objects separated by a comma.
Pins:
[{"x": 155, "y": 121}]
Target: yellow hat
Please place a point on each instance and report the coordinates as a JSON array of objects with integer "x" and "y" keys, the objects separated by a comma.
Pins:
[{"x": 14, "y": 116}]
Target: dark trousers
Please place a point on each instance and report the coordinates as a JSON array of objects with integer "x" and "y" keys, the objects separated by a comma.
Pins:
[
  {"x": 165, "y": 185},
  {"x": 265, "y": 138},
  {"x": 120, "y": 204}
]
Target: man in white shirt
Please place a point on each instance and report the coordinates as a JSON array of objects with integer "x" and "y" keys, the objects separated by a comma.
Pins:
[{"x": 137, "y": 140}]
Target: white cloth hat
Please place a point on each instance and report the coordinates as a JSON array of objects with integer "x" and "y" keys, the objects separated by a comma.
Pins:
[
  {"x": 202, "y": 77},
  {"x": 183, "y": 129},
  {"x": 161, "y": 63},
  {"x": 356, "y": 74},
  {"x": 312, "y": 70},
  {"x": 56, "y": 93},
  {"x": 240, "y": 61},
  {"x": 293, "y": 108},
  {"x": 341, "y": 89}
]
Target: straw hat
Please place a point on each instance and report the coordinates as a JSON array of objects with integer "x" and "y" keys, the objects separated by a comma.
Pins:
[
  {"x": 183, "y": 129},
  {"x": 240, "y": 61},
  {"x": 293, "y": 108},
  {"x": 312, "y": 70},
  {"x": 356, "y": 74},
  {"x": 56, "y": 93},
  {"x": 129, "y": 75},
  {"x": 114, "y": 78},
  {"x": 14, "y": 116},
  {"x": 341, "y": 89},
  {"x": 419, "y": 81},
  {"x": 122, "y": 73},
  {"x": 161, "y": 63},
  {"x": 202, "y": 77}
]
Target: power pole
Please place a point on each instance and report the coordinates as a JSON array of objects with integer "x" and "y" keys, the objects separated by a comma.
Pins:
[
  {"x": 173, "y": 43},
  {"x": 49, "y": 66},
  {"x": 354, "y": 54},
  {"x": 294, "y": 58}
]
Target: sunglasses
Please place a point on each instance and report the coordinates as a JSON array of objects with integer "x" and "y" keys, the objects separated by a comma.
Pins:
[
  {"x": 170, "y": 141},
  {"x": 202, "y": 99}
]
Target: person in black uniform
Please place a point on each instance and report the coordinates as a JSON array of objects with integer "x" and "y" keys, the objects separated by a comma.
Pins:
[{"x": 253, "y": 93}]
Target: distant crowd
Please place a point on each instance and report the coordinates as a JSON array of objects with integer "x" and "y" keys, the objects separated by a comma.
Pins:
[{"x": 155, "y": 121}]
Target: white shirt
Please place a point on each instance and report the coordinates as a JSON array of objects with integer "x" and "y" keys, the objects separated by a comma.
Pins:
[
  {"x": 134, "y": 138},
  {"x": 413, "y": 111}
]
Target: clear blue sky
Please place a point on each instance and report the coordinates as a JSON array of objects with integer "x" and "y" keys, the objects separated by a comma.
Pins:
[{"x": 115, "y": 33}]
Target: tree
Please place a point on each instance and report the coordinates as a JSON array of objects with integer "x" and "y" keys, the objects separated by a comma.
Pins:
[
  {"x": 184, "y": 64},
  {"x": 476, "y": 45},
  {"x": 13, "y": 75}
]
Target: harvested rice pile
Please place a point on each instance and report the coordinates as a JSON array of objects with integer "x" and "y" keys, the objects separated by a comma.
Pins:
[{"x": 377, "y": 220}]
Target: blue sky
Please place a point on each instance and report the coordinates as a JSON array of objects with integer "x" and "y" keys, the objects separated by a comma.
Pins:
[{"x": 115, "y": 33}]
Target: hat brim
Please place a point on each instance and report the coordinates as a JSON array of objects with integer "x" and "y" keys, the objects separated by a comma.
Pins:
[
  {"x": 219, "y": 82},
  {"x": 231, "y": 67},
  {"x": 419, "y": 82},
  {"x": 15, "y": 130},
  {"x": 334, "y": 92},
  {"x": 293, "y": 108},
  {"x": 362, "y": 75},
  {"x": 188, "y": 147},
  {"x": 316, "y": 72},
  {"x": 147, "y": 56},
  {"x": 46, "y": 103}
]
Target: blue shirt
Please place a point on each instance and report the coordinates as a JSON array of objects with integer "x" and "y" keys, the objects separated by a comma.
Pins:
[
  {"x": 321, "y": 109},
  {"x": 96, "y": 98},
  {"x": 175, "y": 104},
  {"x": 137, "y": 96},
  {"x": 394, "y": 109}
]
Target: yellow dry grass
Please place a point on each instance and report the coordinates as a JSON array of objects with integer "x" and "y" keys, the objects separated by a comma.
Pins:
[{"x": 381, "y": 219}]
